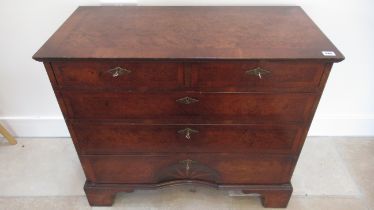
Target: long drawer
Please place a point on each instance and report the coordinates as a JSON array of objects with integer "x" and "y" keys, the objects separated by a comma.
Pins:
[
  {"x": 121, "y": 138},
  {"x": 256, "y": 107},
  {"x": 225, "y": 168}
]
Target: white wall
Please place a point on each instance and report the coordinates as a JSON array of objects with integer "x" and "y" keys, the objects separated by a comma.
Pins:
[{"x": 29, "y": 108}]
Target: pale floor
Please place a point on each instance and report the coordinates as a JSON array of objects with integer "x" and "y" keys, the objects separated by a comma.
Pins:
[{"x": 45, "y": 174}]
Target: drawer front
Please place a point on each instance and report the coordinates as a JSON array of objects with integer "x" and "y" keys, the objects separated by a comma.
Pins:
[
  {"x": 119, "y": 138},
  {"x": 130, "y": 75},
  {"x": 227, "y": 169},
  {"x": 256, "y": 76},
  {"x": 231, "y": 106}
]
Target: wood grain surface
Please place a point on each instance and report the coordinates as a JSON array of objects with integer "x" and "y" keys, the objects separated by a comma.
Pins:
[{"x": 188, "y": 33}]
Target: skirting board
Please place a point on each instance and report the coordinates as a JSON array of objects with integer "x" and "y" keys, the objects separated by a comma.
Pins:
[
  {"x": 55, "y": 126},
  {"x": 342, "y": 126},
  {"x": 35, "y": 127}
]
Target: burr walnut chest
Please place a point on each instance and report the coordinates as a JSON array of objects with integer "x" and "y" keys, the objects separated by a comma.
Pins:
[{"x": 159, "y": 96}]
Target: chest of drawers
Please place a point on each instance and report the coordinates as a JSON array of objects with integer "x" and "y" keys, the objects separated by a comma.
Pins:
[{"x": 159, "y": 96}]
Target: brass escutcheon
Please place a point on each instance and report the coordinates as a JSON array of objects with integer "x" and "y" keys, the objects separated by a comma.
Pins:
[
  {"x": 257, "y": 72},
  {"x": 187, "y": 132},
  {"x": 187, "y": 100},
  {"x": 118, "y": 71}
]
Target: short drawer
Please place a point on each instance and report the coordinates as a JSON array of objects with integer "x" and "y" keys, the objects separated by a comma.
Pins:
[
  {"x": 124, "y": 75},
  {"x": 256, "y": 75},
  {"x": 225, "y": 168},
  {"x": 121, "y": 138},
  {"x": 255, "y": 107}
]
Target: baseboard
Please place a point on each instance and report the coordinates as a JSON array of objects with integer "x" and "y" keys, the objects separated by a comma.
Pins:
[
  {"x": 55, "y": 126},
  {"x": 35, "y": 126},
  {"x": 342, "y": 126}
]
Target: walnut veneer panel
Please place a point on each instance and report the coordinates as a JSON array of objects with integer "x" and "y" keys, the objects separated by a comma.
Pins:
[
  {"x": 94, "y": 138},
  {"x": 188, "y": 33},
  {"x": 136, "y": 75},
  {"x": 273, "y": 107},
  {"x": 222, "y": 169}
]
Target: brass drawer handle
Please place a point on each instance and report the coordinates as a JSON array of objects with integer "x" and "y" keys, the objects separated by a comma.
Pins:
[
  {"x": 187, "y": 100},
  {"x": 118, "y": 71},
  {"x": 257, "y": 72},
  {"x": 187, "y": 132}
]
